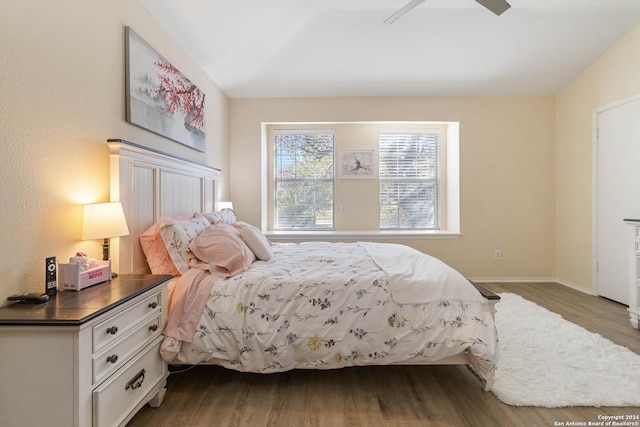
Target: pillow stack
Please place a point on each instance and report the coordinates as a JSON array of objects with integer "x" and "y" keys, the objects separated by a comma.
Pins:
[{"x": 211, "y": 241}]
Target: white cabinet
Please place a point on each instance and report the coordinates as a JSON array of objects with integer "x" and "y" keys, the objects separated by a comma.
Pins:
[
  {"x": 634, "y": 273},
  {"x": 88, "y": 358}
]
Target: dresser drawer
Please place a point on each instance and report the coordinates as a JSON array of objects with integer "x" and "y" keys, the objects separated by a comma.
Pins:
[
  {"x": 113, "y": 328},
  {"x": 120, "y": 394},
  {"x": 118, "y": 352}
]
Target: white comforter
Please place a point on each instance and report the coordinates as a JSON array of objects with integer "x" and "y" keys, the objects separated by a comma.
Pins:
[{"x": 332, "y": 305}]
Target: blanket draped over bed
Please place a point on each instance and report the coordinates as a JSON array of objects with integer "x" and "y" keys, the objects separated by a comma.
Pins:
[{"x": 330, "y": 305}]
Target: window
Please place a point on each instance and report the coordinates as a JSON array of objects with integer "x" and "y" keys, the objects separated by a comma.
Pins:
[
  {"x": 414, "y": 193},
  {"x": 409, "y": 176},
  {"x": 304, "y": 184}
]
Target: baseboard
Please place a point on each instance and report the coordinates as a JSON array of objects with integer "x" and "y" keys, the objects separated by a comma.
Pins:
[
  {"x": 514, "y": 279},
  {"x": 575, "y": 286},
  {"x": 549, "y": 280}
]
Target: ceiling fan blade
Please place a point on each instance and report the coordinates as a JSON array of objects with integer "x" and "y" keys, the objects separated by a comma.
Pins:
[
  {"x": 495, "y": 6},
  {"x": 400, "y": 13}
]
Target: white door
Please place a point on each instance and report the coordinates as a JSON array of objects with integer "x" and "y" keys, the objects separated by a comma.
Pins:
[{"x": 617, "y": 194}]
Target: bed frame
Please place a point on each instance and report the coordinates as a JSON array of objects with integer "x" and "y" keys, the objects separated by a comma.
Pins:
[{"x": 151, "y": 184}]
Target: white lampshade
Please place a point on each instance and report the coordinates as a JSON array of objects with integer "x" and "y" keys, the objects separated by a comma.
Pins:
[
  {"x": 225, "y": 205},
  {"x": 104, "y": 220}
]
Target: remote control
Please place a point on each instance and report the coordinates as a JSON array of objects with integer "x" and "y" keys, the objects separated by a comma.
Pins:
[
  {"x": 51, "y": 284},
  {"x": 30, "y": 298}
]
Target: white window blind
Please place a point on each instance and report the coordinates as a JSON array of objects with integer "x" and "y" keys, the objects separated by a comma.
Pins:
[
  {"x": 409, "y": 173},
  {"x": 304, "y": 180}
]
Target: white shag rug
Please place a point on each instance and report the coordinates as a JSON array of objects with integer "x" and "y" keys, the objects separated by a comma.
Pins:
[{"x": 547, "y": 361}]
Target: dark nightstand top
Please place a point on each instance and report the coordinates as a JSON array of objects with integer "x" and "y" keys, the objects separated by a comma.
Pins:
[{"x": 71, "y": 308}]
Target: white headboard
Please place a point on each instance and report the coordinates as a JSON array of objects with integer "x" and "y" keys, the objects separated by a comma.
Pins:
[{"x": 150, "y": 185}]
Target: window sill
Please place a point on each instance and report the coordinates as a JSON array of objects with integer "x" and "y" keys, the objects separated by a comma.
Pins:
[{"x": 373, "y": 235}]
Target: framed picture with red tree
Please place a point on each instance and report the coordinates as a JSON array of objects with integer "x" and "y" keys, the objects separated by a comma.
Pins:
[{"x": 159, "y": 97}]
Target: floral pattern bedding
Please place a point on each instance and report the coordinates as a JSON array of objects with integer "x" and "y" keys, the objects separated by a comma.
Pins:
[{"x": 330, "y": 305}]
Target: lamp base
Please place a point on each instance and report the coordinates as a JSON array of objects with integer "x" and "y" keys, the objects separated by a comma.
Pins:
[
  {"x": 105, "y": 255},
  {"x": 105, "y": 249}
]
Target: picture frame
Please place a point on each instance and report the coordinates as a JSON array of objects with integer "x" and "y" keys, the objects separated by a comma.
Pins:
[
  {"x": 159, "y": 98},
  {"x": 357, "y": 163}
]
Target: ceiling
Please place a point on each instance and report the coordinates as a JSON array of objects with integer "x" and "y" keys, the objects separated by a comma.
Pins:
[{"x": 338, "y": 48}]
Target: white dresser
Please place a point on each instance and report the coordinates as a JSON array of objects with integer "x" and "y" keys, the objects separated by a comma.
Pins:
[
  {"x": 88, "y": 358},
  {"x": 634, "y": 272}
]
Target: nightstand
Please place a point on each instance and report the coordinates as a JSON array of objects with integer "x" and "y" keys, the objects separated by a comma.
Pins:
[{"x": 87, "y": 358}]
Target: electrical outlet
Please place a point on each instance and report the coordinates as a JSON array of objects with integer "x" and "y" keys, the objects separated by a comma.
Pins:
[
  {"x": 497, "y": 255},
  {"x": 343, "y": 207}
]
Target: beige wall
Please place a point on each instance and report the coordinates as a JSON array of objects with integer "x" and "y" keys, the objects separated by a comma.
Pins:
[
  {"x": 614, "y": 76},
  {"x": 62, "y": 97},
  {"x": 507, "y": 162},
  {"x": 525, "y": 162}
]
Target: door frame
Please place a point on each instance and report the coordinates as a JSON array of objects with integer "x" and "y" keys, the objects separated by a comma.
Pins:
[{"x": 594, "y": 182}]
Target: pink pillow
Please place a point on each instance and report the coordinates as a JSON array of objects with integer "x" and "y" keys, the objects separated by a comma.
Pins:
[
  {"x": 155, "y": 251},
  {"x": 221, "y": 248}
]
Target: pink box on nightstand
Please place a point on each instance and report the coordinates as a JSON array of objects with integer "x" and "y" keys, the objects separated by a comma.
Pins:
[{"x": 70, "y": 276}]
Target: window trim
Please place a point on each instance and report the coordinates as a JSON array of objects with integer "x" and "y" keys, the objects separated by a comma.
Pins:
[
  {"x": 360, "y": 235},
  {"x": 450, "y": 227}
]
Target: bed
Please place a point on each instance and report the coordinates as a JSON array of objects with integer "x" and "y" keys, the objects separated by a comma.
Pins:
[{"x": 242, "y": 302}]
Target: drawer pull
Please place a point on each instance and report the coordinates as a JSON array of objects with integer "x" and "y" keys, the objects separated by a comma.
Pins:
[
  {"x": 136, "y": 381},
  {"x": 153, "y": 304},
  {"x": 153, "y": 328},
  {"x": 112, "y": 330},
  {"x": 113, "y": 358}
]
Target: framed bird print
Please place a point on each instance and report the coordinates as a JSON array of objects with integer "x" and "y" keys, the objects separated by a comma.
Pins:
[{"x": 357, "y": 164}]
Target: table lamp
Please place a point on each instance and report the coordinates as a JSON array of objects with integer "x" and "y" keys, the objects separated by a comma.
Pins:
[{"x": 103, "y": 221}]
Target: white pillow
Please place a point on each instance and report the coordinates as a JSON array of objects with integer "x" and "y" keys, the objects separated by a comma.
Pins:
[
  {"x": 225, "y": 215},
  {"x": 257, "y": 241},
  {"x": 177, "y": 235}
]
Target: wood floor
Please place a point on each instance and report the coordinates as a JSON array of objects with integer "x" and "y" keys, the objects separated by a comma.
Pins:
[{"x": 383, "y": 396}]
